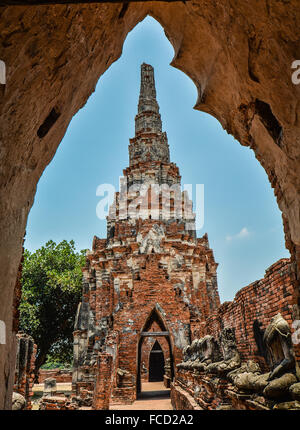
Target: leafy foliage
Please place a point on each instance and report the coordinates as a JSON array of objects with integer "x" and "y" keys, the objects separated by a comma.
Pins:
[
  {"x": 50, "y": 364},
  {"x": 51, "y": 291}
]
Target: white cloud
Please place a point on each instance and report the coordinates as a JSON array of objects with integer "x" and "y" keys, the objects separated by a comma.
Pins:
[{"x": 241, "y": 235}]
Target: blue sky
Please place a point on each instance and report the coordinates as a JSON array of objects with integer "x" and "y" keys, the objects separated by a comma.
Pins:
[{"x": 242, "y": 218}]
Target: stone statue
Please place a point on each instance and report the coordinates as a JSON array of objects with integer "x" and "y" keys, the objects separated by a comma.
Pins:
[
  {"x": 124, "y": 378},
  {"x": 281, "y": 359},
  {"x": 186, "y": 358},
  {"x": 190, "y": 354},
  {"x": 231, "y": 357},
  {"x": 280, "y": 353},
  {"x": 209, "y": 352},
  {"x": 200, "y": 353}
]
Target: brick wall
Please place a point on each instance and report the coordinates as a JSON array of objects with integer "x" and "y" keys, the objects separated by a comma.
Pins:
[
  {"x": 61, "y": 375},
  {"x": 56, "y": 404},
  {"x": 259, "y": 301},
  {"x": 103, "y": 384},
  {"x": 146, "y": 266}
]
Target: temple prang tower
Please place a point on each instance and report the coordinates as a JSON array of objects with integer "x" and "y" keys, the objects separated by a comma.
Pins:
[{"x": 151, "y": 283}]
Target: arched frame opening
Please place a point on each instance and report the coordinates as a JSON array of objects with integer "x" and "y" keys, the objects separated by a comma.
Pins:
[
  {"x": 154, "y": 316},
  {"x": 67, "y": 49}
]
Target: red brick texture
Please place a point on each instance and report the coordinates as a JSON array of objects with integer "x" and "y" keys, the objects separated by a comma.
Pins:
[
  {"x": 129, "y": 292},
  {"x": 153, "y": 273},
  {"x": 260, "y": 301},
  {"x": 61, "y": 375},
  {"x": 102, "y": 390},
  {"x": 56, "y": 403}
]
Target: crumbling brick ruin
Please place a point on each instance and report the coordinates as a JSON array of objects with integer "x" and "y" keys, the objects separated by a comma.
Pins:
[
  {"x": 150, "y": 307},
  {"x": 24, "y": 372},
  {"x": 238, "y": 54},
  {"x": 245, "y": 356},
  {"x": 60, "y": 375},
  {"x": 150, "y": 287},
  {"x": 151, "y": 276}
]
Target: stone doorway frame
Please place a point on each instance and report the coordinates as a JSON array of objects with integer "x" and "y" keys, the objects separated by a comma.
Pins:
[{"x": 154, "y": 315}]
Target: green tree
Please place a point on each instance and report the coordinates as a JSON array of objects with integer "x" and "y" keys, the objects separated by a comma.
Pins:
[{"x": 51, "y": 291}]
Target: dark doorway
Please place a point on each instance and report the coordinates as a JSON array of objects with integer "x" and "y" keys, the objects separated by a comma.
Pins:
[
  {"x": 156, "y": 363},
  {"x": 153, "y": 316}
]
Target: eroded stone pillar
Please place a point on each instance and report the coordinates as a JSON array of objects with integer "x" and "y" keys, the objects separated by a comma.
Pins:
[{"x": 103, "y": 381}]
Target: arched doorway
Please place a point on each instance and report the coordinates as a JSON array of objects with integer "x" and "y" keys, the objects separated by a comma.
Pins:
[{"x": 156, "y": 363}]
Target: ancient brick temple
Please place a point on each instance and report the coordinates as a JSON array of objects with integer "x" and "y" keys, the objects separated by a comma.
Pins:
[{"x": 151, "y": 281}]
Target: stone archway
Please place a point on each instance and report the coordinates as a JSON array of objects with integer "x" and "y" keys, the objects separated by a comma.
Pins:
[
  {"x": 153, "y": 317},
  {"x": 148, "y": 345},
  {"x": 239, "y": 56}
]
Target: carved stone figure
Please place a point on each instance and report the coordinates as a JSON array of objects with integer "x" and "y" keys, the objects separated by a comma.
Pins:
[
  {"x": 231, "y": 357},
  {"x": 250, "y": 367},
  {"x": 124, "y": 378},
  {"x": 18, "y": 402},
  {"x": 295, "y": 391},
  {"x": 249, "y": 377},
  {"x": 278, "y": 341},
  {"x": 209, "y": 352},
  {"x": 190, "y": 354},
  {"x": 200, "y": 353},
  {"x": 280, "y": 356}
]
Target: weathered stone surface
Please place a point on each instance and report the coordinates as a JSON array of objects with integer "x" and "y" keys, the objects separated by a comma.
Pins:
[
  {"x": 231, "y": 357},
  {"x": 281, "y": 360},
  {"x": 50, "y": 387},
  {"x": 18, "y": 402},
  {"x": 278, "y": 340},
  {"x": 200, "y": 354},
  {"x": 244, "y": 387},
  {"x": 103, "y": 382},
  {"x": 61, "y": 375},
  {"x": 250, "y": 367},
  {"x": 255, "y": 303},
  {"x": 24, "y": 367},
  {"x": 150, "y": 275},
  {"x": 251, "y": 381},
  {"x": 55, "y": 55},
  {"x": 279, "y": 387},
  {"x": 55, "y": 403},
  {"x": 295, "y": 405},
  {"x": 295, "y": 391}
]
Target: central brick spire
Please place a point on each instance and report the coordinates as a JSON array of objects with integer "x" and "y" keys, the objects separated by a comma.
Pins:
[
  {"x": 150, "y": 188},
  {"x": 149, "y": 143},
  {"x": 147, "y": 99}
]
